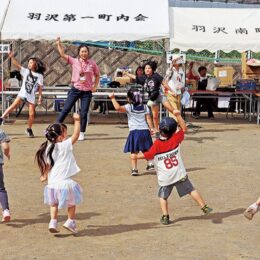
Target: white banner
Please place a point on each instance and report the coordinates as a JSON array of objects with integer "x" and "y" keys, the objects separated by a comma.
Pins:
[
  {"x": 215, "y": 29},
  {"x": 3, "y": 7},
  {"x": 95, "y": 20}
]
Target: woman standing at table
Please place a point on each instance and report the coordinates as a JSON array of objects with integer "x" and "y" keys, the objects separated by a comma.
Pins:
[{"x": 84, "y": 80}]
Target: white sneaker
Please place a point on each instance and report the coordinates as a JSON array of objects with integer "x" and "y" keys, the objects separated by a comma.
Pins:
[
  {"x": 81, "y": 136},
  {"x": 250, "y": 211},
  {"x": 6, "y": 216},
  {"x": 53, "y": 226},
  {"x": 70, "y": 225}
]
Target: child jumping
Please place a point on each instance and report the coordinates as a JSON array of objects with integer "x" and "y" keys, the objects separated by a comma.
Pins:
[
  {"x": 32, "y": 82},
  {"x": 57, "y": 165},
  {"x": 4, "y": 140},
  {"x": 252, "y": 210},
  {"x": 169, "y": 166},
  {"x": 139, "y": 123}
]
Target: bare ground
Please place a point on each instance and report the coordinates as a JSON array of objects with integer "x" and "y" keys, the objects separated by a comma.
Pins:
[{"x": 119, "y": 218}]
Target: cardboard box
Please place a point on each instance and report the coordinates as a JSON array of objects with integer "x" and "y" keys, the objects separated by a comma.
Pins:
[
  {"x": 225, "y": 75},
  {"x": 192, "y": 84}
]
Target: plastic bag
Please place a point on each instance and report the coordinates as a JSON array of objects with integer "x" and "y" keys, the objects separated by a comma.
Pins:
[{"x": 185, "y": 100}]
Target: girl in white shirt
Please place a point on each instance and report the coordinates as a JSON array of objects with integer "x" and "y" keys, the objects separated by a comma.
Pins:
[
  {"x": 139, "y": 123},
  {"x": 32, "y": 83},
  {"x": 57, "y": 165}
]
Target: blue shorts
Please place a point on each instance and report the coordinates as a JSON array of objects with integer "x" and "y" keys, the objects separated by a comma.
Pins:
[{"x": 183, "y": 187}]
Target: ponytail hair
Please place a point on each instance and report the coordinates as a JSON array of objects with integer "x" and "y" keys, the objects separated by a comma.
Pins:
[
  {"x": 45, "y": 161},
  {"x": 135, "y": 97}
]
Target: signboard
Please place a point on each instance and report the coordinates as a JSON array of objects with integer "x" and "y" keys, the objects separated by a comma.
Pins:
[
  {"x": 215, "y": 29},
  {"x": 86, "y": 20},
  {"x": 172, "y": 56}
]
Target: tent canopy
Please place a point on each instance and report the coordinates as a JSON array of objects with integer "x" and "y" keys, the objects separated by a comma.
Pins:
[
  {"x": 94, "y": 20},
  {"x": 214, "y": 29},
  {"x": 3, "y": 9}
]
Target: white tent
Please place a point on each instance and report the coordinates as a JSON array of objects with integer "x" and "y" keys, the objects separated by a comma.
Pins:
[
  {"x": 3, "y": 9},
  {"x": 215, "y": 29},
  {"x": 94, "y": 20}
]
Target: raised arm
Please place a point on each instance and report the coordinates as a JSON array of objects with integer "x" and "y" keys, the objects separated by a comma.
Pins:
[
  {"x": 75, "y": 135},
  {"x": 14, "y": 61},
  {"x": 61, "y": 50},
  {"x": 129, "y": 75},
  {"x": 116, "y": 104},
  {"x": 181, "y": 122}
]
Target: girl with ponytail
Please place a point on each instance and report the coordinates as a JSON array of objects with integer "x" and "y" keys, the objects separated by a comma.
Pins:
[{"x": 57, "y": 165}]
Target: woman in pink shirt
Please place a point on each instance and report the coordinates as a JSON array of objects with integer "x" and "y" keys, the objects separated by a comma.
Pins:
[{"x": 84, "y": 80}]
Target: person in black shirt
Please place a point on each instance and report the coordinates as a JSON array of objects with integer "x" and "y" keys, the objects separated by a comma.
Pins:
[
  {"x": 152, "y": 86},
  {"x": 207, "y": 102},
  {"x": 138, "y": 77}
]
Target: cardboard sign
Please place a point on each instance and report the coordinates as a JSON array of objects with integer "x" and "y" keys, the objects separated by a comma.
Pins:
[
  {"x": 4, "y": 48},
  {"x": 170, "y": 57}
]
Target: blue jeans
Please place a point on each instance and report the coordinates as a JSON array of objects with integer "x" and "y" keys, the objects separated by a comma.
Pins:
[
  {"x": 73, "y": 95},
  {"x": 3, "y": 194}
]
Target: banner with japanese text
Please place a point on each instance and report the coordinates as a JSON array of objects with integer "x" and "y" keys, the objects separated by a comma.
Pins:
[
  {"x": 215, "y": 29},
  {"x": 94, "y": 20}
]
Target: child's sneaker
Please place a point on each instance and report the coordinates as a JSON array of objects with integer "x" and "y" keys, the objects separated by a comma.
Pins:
[
  {"x": 6, "y": 216},
  {"x": 165, "y": 220},
  {"x": 206, "y": 209},
  {"x": 70, "y": 225},
  {"x": 250, "y": 211},
  {"x": 134, "y": 172},
  {"x": 150, "y": 167},
  {"x": 53, "y": 226},
  {"x": 29, "y": 132}
]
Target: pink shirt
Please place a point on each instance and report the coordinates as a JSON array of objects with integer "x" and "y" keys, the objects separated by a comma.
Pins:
[{"x": 89, "y": 69}]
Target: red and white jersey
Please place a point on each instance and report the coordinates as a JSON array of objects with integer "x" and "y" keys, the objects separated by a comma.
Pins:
[{"x": 167, "y": 159}]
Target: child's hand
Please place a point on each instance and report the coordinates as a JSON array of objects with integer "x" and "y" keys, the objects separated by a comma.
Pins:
[
  {"x": 176, "y": 112},
  {"x": 8, "y": 156},
  {"x": 76, "y": 117},
  {"x": 58, "y": 40},
  {"x": 152, "y": 132},
  {"x": 43, "y": 178},
  {"x": 111, "y": 95}
]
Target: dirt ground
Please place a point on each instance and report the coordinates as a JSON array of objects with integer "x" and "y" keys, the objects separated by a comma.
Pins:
[{"x": 119, "y": 218}]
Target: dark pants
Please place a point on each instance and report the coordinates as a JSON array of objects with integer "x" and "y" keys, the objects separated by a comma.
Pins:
[
  {"x": 85, "y": 98},
  {"x": 3, "y": 193},
  {"x": 208, "y": 103}
]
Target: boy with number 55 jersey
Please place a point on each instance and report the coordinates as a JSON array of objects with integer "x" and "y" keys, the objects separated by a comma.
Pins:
[{"x": 169, "y": 166}]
